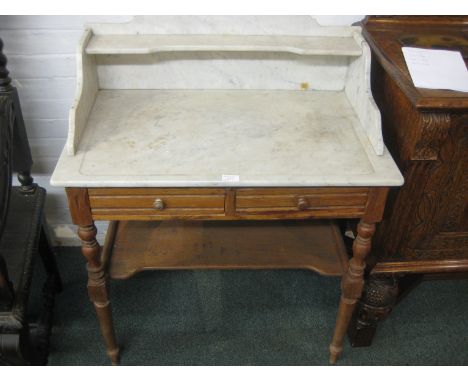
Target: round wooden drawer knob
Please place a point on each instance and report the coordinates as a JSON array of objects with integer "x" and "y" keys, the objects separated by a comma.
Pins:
[
  {"x": 302, "y": 204},
  {"x": 158, "y": 204}
]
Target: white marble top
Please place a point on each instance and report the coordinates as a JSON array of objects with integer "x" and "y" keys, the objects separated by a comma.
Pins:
[
  {"x": 145, "y": 44},
  {"x": 191, "y": 138}
]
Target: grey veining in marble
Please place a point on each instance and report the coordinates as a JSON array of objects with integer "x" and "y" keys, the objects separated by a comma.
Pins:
[
  {"x": 358, "y": 90},
  {"x": 193, "y": 138},
  {"x": 226, "y": 25},
  {"x": 86, "y": 90},
  {"x": 185, "y": 110},
  {"x": 222, "y": 70}
]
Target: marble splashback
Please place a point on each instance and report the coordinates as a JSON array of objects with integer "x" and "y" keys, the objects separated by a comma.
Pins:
[
  {"x": 236, "y": 25},
  {"x": 332, "y": 70},
  {"x": 222, "y": 70}
]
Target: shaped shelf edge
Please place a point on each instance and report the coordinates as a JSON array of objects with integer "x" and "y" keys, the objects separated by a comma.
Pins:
[{"x": 148, "y": 44}]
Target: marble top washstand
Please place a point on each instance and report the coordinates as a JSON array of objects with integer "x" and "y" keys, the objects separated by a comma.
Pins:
[{"x": 156, "y": 110}]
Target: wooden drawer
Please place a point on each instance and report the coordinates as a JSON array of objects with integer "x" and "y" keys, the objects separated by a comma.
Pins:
[
  {"x": 147, "y": 203},
  {"x": 320, "y": 202}
]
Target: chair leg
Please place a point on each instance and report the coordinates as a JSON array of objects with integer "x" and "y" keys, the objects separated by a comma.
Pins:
[
  {"x": 352, "y": 284},
  {"x": 6, "y": 287},
  {"x": 41, "y": 329},
  {"x": 49, "y": 261}
]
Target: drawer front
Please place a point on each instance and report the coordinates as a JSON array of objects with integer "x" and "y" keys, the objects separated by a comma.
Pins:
[
  {"x": 141, "y": 203},
  {"x": 347, "y": 201}
]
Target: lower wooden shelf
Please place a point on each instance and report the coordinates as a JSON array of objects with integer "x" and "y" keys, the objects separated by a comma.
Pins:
[{"x": 133, "y": 246}]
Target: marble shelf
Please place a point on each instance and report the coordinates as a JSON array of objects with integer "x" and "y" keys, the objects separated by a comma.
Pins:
[
  {"x": 191, "y": 138},
  {"x": 147, "y": 44}
]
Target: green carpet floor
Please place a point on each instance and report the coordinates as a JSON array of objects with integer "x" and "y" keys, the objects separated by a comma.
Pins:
[{"x": 249, "y": 318}]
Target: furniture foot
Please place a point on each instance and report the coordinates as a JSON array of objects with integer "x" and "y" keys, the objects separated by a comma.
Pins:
[
  {"x": 334, "y": 354},
  {"x": 98, "y": 288},
  {"x": 352, "y": 284},
  {"x": 11, "y": 350},
  {"x": 378, "y": 299}
]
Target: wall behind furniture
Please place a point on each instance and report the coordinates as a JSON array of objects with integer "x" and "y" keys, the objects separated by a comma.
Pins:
[{"x": 41, "y": 61}]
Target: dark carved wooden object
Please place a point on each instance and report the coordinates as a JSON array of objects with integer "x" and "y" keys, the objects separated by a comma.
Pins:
[
  {"x": 23, "y": 342},
  {"x": 378, "y": 298},
  {"x": 21, "y": 153},
  {"x": 6, "y": 287},
  {"x": 22, "y": 237},
  {"x": 6, "y": 135},
  {"x": 425, "y": 227}
]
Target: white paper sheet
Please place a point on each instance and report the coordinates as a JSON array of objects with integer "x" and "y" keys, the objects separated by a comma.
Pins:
[{"x": 436, "y": 69}]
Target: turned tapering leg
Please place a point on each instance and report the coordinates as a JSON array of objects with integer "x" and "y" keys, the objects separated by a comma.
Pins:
[
  {"x": 351, "y": 286},
  {"x": 98, "y": 288}
]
